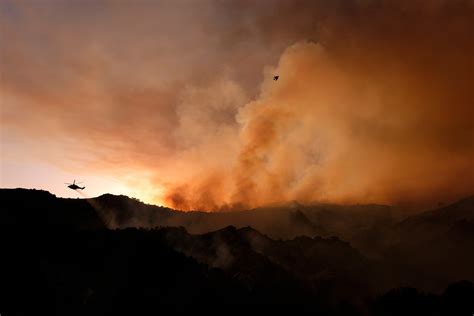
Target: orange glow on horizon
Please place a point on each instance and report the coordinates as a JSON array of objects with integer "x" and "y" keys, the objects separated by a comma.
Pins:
[{"x": 191, "y": 117}]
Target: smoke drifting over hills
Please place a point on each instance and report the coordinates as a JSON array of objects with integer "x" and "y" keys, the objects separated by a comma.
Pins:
[{"x": 374, "y": 103}]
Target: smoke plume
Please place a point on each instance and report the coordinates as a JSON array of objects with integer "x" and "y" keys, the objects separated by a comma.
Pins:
[{"x": 374, "y": 103}]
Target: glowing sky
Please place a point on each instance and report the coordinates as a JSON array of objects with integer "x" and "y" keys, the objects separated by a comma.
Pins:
[{"x": 173, "y": 102}]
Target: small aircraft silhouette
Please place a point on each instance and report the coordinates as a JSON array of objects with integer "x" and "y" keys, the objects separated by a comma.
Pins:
[
  {"x": 74, "y": 186},
  {"x": 276, "y": 78}
]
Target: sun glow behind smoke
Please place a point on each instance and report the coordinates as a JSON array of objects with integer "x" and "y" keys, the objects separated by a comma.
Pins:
[
  {"x": 373, "y": 105},
  {"x": 41, "y": 175}
]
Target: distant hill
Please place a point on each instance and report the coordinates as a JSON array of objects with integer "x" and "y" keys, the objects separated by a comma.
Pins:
[
  {"x": 438, "y": 243},
  {"x": 114, "y": 211},
  {"x": 38, "y": 210},
  {"x": 61, "y": 255},
  {"x": 442, "y": 217}
]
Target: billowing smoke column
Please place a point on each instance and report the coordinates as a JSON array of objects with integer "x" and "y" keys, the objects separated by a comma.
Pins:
[
  {"x": 374, "y": 103},
  {"x": 383, "y": 115}
]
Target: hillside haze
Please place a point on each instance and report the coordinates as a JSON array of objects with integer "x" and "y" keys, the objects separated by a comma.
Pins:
[
  {"x": 114, "y": 254},
  {"x": 337, "y": 248}
]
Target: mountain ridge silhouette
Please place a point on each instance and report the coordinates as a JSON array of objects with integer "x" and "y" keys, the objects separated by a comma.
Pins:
[{"x": 82, "y": 256}]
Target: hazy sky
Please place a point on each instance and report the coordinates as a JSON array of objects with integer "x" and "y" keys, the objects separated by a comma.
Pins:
[{"x": 173, "y": 102}]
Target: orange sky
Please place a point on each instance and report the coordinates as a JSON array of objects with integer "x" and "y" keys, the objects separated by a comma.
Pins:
[{"x": 173, "y": 102}]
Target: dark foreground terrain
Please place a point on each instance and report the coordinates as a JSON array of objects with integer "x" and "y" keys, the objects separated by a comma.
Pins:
[{"x": 82, "y": 257}]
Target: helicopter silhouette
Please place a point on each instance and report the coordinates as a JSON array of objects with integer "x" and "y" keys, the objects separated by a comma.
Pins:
[
  {"x": 276, "y": 78},
  {"x": 74, "y": 186}
]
